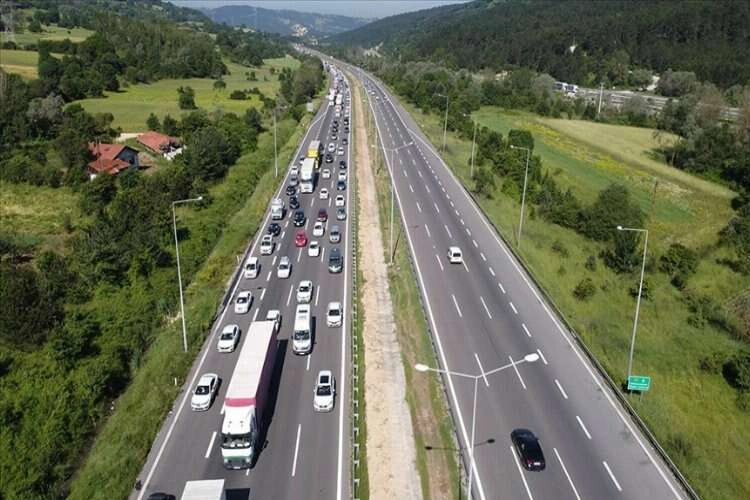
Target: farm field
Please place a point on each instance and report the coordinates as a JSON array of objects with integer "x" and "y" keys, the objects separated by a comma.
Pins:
[
  {"x": 23, "y": 62},
  {"x": 52, "y": 32},
  {"x": 132, "y": 105},
  {"x": 586, "y": 157}
]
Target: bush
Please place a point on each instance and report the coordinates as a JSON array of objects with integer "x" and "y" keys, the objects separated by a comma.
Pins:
[
  {"x": 559, "y": 248},
  {"x": 680, "y": 263},
  {"x": 186, "y": 98},
  {"x": 238, "y": 95},
  {"x": 591, "y": 263},
  {"x": 736, "y": 371},
  {"x": 585, "y": 289},
  {"x": 645, "y": 291}
]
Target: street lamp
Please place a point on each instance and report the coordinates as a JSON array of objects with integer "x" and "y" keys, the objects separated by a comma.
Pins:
[
  {"x": 179, "y": 273},
  {"x": 390, "y": 171},
  {"x": 529, "y": 358},
  {"x": 640, "y": 290},
  {"x": 473, "y": 144},
  {"x": 445, "y": 127},
  {"x": 275, "y": 151},
  {"x": 523, "y": 196}
]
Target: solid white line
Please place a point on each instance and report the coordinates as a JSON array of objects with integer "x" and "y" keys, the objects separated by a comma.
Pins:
[
  {"x": 562, "y": 391},
  {"x": 501, "y": 287},
  {"x": 455, "y": 303},
  {"x": 544, "y": 360},
  {"x": 210, "y": 444},
  {"x": 492, "y": 271},
  {"x": 481, "y": 254},
  {"x": 262, "y": 294},
  {"x": 289, "y": 298},
  {"x": 528, "y": 333},
  {"x": 296, "y": 450},
  {"x": 513, "y": 307},
  {"x": 436, "y": 207},
  {"x": 565, "y": 470},
  {"x": 418, "y": 207},
  {"x": 439, "y": 262},
  {"x": 411, "y": 188},
  {"x": 448, "y": 231},
  {"x": 485, "y": 307},
  {"x": 517, "y": 372},
  {"x": 520, "y": 471},
  {"x": 585, "y": 430},
  {"x": 426, "y": 228},
  {"x": 612, "y": 476},
  {"x": 255, "y": 314}
]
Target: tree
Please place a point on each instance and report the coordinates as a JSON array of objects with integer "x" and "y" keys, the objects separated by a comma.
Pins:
[
  {"x": 45, "y": 114},
  {"x": 484, "y": 182},
  {"x": 521, "y": 138},
  {"x": 35, "y": 26},
  {"x": 209, "y": 153},
  {"x": 253, "y": 119},
  {"x": 623, "y": 256},
  {"x": 677, "y": 83},
  {"x": 613, "y": 207},
  {"x": 169, "y": 126},
  {"x": 186, "y": 98},
  {"x": 220, "y": 85},
  {"x": 152, "y": 122}
]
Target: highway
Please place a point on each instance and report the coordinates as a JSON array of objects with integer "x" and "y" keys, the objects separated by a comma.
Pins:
[
  {"x": 306, "y": 453},
  {"x": 485, "y": 314}
]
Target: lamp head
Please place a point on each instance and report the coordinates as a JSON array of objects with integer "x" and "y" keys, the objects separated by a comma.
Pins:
[
  {"x": 530, "y": 358},
  {"x": 421, "y": 367},
  {"x": 619, "y": 228}
]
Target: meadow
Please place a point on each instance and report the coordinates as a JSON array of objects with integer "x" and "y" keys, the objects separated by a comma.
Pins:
[
  {"x": 23, "y": 62},
  {"x": 132, "y": 105},
  {"x": 686, "y": 406},
  {"x": 52, "y": 32}
]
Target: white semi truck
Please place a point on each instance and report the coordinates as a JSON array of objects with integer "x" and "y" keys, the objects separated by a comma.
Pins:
[
  {"x": 307, "y": 175},
  {"x": 277, "y": 209},
  {"x": 245, "y": 404}
]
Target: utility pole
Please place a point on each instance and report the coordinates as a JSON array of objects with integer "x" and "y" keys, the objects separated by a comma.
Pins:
[{"x": 601, "y": 91}]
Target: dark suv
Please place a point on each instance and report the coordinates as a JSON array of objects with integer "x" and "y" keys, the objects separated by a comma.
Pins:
[
  {"x": 528, "y": 449},
  {"x": 335, "y": 261},
  {"x": 274, "y": 229},
  {"x": 299, "y": 218}
]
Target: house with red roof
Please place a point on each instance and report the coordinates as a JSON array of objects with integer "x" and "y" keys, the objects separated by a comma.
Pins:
[
  {"x": 111, "y": 159},
  {"x": 162, "y": 144}
]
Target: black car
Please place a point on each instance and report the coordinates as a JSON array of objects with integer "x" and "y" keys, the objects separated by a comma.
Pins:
[
  {"x": 528, "y": 449},
  {"x": 299, "y": 218},
  {"x": 161, "y": 496},
  {"x": 293, "y": 202},
  {"x": 344, "y": 141},
  {"x": 274, "y": 229},
  {"x": 342, "y": 165},
  {"x": 340, "y": 185},
  {"x": 291, "y": 190},
  {"x": 335, "y": 261},
  {"x": 329, "y": 158},
  {"x": 346, "y": 120},
  {"x": 346, "y": 129}
]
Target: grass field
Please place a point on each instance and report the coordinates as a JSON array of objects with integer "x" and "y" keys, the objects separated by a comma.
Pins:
[
  {"x": 23, "y": 62},
  {"x": 686, "y": 406},
  {"x": 38, "y": 215},
  {"x": 133, "y": 104},
  {"x": 52, "y": 32}
]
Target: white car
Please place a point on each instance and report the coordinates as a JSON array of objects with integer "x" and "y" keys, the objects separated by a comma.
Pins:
[
  {"x": 340, "y": 152},
  {"x": 454, "y": 255},
  {"x": 304, "y": 291},
  {"x": 228, "y": 339},
  {"x": 284, "y": 269},
  {"x": 294, "y": 170},
  {"x": 340, "y": 200},
  {"x": 266, "y": 244},
  {"x": 319, "y": 229},
  {"x": 331, "y": 147},
  {"x": 204, "y": 392},
  {"x": 313, "y": 249},
  {"x": 323, "y": 195},
  {"x": 252, "y": 267},
  {"x": 325, "y": 173},
  {"x": 275, "y": 316},
  {"x": 242, "y": 302},
  {"x": 334, "y": 314},
  {"x": 342, "y": 175},
  {"x": 325, "y": 391}
]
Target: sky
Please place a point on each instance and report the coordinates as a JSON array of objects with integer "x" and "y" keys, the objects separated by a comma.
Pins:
[{"x": 351, "y": 8}]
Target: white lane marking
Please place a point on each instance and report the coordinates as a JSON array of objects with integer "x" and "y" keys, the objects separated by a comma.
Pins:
[
  {"x": 528, "y": 333},
  {"x": 427, "y": 188},
  {"x": 210, "y": 444},
  {"x": 404, "y": 171},
  {"x": 465, "y": 266},
  {"x": 585, "y": 430},
  {"x": 448, "y": 231},
  {"x": 286, "y": 224},
  {"x": 565, "y": 470},
  {"x": 612, "y": 476},
  {"x": 517, "y": 372},
  {"x": 419, "y": 173},
  {"x": 273, "y": 262},
  {"x": 451, "y": 202},
  {"x": 268, "y": 278},
  {"x": 309, "y": 357},
  {"x": 322, "y": 253},
  {"x": 501, "y": 287},
  {"x": 296, "y": 450},
  {"x": 448, "y": 196},
  {"x": 255, "y": 314},
  {"x": 222, "y": 410},
  {"x": 426, "y": 228},
  {"x": 562, "y": 391},
  {"x": 411, "y": 188},
  {"x": 262, "y": 294},
  {"x": 513, "y": 307},
  {"x": 289, "y": 297},
  {"x": 419, "y": 208},
  {"x": 468, "y": 231},
  {"x": 486, "y": 309},
  {"x": 330, "y": 199},
  {"x": 492, "y": 271},
  {"x": 312, "y": 200},
  {"x": 299, "y": 255},
  {"x": 481, "y": 369},
  {"x": 475, "y": 243},
  {"x": 436, "y": 207},
  {"x": 520, "y": 471},
  {"x": 439, "y": 262},
  {"x": 317, "y": 293},
  {"x": 544, "y": 360},
  {"x": 455, "y": 303},
  {"x": 462, "y": 222},
  {"x": 481, "y": 254}
]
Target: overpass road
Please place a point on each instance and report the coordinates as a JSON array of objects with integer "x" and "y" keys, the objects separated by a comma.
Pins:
[{"x": 306, "y": 453}]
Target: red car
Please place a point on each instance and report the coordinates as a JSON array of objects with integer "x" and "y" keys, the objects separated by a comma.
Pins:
[
  {"x": 300, "y": 239},
  {"x": 322, "y": 215}
]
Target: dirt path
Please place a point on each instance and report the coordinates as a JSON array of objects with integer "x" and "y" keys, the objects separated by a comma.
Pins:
[{"x": 391, "y": 455}]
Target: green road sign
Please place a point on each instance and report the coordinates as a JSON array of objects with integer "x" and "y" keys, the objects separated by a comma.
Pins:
[{"x": 639, "y": 383}]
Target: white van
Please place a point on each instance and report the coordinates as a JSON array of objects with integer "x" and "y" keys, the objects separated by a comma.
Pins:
[
  {"x": 302, "y": 336},
  {"x": 252, "y": 267}
]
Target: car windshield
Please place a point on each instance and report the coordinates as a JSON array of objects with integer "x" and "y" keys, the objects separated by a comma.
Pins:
[
  {"x": 226, "y": 336},
  {"x": 201, "y": 390},
  {"x": 236, "y": 441},
  {"x": 301, "y": 335},
  {"x": 241, "y": 300},
  {"x": 304, "y": 288},
  {"x": 324, "y": 390}
]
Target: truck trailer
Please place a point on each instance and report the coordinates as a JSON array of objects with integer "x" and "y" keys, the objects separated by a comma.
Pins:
[
  {"x": 209, "y": 489},
  {"x": 246, "y": 400},
  {"x": 277, "y": 209},
  {"x": 307, "y": 175}
]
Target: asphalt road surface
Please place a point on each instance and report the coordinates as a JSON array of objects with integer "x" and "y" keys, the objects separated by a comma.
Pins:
[{"x": 306, "y": 453}]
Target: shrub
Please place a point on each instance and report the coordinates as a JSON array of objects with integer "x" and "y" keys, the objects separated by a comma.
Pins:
[
  {"x": 591, "y": 263},
  {"x": 679, "y": 262},
  {"x": 736, "y": 371},
  {"x": 186, "y": 98},
  {"x": 645, "y": 292},
  {"x": 585, "y": 289},
  {"x": 559, "y": 248},
  {"x": 238, "y": 95}
]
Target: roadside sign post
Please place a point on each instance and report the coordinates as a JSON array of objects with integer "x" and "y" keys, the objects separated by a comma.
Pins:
[{"x": 639, "y": 383}]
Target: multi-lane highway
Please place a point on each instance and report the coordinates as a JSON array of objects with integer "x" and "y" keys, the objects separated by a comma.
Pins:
[
  {"x": 306, "y": 453},
  {"x": 486, "y": 313}
]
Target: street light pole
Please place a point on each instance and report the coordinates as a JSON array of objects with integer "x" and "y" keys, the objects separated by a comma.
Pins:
[
  {"x": 640, "y": 291},
  {"x": 445, "y": 127},
  {"x": 473, "y": 146},
  {"x": 420, "y": 367},
  {"x": 393, "y": 187},
  {"x": 179, "y": 272},
  {"x": 523, "y": 195},
  {"x": 275, "y": 151}
]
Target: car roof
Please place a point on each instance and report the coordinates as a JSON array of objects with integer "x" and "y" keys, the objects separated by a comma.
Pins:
[
  {"x": 252, "y": 260},
  {"x": 335, "y": 252},
  {"x": 325, "y": 373},
  {"x": 454, "y": 249},
  {"x": 336, "y": 304},
  {"x": 284, "y": 259},
  {"x": 207, "y": 377},
  {"x": 305, "y": 282},
  {"x": 244, "y": 293},
  {"x": 229, "y": 328}
]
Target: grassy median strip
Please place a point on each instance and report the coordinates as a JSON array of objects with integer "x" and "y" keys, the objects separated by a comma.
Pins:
[
  {"x": 433, "y": 428},
  {"x": 362, "y": 490},
  {"x": 124, "y": 441}
]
